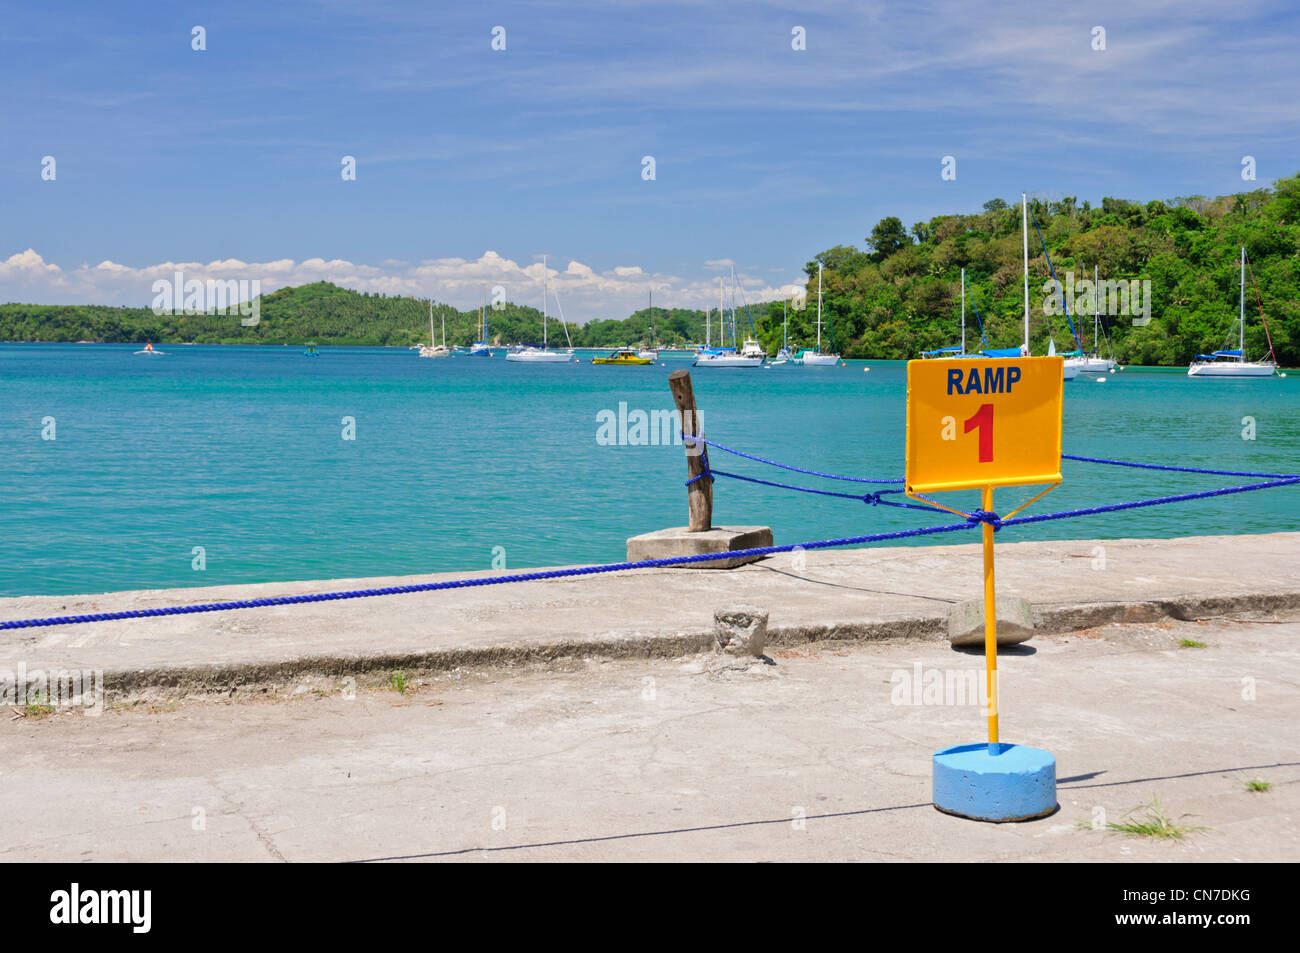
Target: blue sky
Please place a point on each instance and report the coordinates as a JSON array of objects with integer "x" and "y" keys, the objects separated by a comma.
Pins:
[{"x": 472, "y": 163}]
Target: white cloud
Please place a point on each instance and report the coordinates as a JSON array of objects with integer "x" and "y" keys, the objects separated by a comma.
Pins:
[{"x": 586, "y": 292}]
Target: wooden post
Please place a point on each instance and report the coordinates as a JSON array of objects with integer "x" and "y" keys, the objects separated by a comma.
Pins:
[{"x": 699, "y": 495}]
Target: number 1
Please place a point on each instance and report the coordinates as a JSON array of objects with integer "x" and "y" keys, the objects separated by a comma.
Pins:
[{"x": 983, "y": 419}]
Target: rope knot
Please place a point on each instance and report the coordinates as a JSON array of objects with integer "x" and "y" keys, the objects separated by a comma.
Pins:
[
  {"x": 984, "y": 516},
  {"x": 872, "y": 498}
]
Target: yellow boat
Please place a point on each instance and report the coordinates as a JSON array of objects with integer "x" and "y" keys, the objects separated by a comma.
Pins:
[{"x": 624, "y": 355}]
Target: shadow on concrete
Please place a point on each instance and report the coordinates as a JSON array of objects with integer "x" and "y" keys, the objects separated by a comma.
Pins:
[
  {"x": 878, "y": 592},
  {"x": 1171, "y": 777},
  {"x": 811, "y": 817},
  {"x": 1022, "y": 648},
  {"x": 613, "y": 837}
]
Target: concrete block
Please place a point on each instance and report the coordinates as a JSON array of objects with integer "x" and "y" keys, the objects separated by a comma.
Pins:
[
  {"x": 1015, "y": 622},
  {"x": 679, "y": 541},
  {"x": 740, "y": 630}
]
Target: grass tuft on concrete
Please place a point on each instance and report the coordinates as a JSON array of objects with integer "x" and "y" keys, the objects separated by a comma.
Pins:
[{"x": 1152, "y": 821}]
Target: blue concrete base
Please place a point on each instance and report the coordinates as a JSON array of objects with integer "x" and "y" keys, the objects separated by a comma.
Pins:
[{"x": 1017, "y": 784}]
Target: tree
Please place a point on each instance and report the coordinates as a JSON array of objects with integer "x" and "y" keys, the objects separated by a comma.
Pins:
[{"x": 888, "y": 237}]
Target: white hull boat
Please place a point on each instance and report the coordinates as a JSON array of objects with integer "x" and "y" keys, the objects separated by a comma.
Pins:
[
  {"x": 543, "y": 354},
  {"x": 726, "y": 359},
  {"x": 815, "y": 357},
  {"x": 433, "y": 349},
  {"x": 537, "y": 355},
  {"x": 1233, "y": 363}
]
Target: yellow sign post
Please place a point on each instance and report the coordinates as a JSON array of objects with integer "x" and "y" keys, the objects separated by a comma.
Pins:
[{"x": 981, "y": 423}]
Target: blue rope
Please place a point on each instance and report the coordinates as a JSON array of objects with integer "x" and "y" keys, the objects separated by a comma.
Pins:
[
  {"x": 784, "y": 466},
  {"x": 1156, "y": 501},
  {"x": 1157, "y": 466},
  {"x": 473, "y": 583},
  {"x": 972, "y": 520},
  {"x": 872, "y": 498}
]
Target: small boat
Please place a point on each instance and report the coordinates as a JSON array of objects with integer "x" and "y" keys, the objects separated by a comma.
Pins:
[
  {"x": 650, "y": 352},
  {"x": 1233, "y": 363},
  {"x": 149, "y": 349},
  {"x": 749, "y": 354},
  {"x": 623, "y": 355},
  {"x": 480, "y": 348},
  {"x": 433, "y": 349},
  {"x": 1092, "y": 362},
  {"x": 543, "y": 354},
  {"x": 726, "y": 357},
  {"x": 310, "y": 349},
  {"x": 784, "y": 355},
  {"x": 815, "y": 358}
]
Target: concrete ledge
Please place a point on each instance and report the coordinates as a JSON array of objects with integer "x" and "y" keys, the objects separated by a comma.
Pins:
[
  {"x": 897, "y": 593},
  {"x": 680, "y": 541}
]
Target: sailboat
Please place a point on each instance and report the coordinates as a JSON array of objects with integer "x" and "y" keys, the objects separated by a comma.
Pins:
[
  {"x": 750, "y": 355},
  {"x": 434, "y": 349},
  {"x": 1092, "y": 362},
  {"x": 949, "y": 353},
  {"x": 1069, "y": 373},
  {"x": 784, "y": 355},
  {"x": 480, "y": 348},
  {"x": 543, "y": 354},
  {"x": 650, "y": 352},
  {"x": 1233, "y": 363},
  {"x": 816, "y": 358}
]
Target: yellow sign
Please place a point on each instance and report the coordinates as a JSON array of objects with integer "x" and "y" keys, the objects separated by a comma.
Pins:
[{"x": 983, "y": 422}]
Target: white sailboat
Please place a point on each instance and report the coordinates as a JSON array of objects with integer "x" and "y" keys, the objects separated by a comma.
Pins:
[
  {"x": 750, "y": 355},
  {"x": 543, "y": 354},
  {"x": 1092, "y": 362},
  {"x": 434, "y": 349},
  {"x": 784, "y": 355},
  {"x": 479, "y": 348},
  {"x": 651, "y": 352},
  {"x": 1233, "y": 363},
  {"x": 816, "y": 358}
]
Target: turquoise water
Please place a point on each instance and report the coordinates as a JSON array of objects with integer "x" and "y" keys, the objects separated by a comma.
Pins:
[{"x": 240, "y": 451}]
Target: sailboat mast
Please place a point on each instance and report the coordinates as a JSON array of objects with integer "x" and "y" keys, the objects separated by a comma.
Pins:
[
  {"x": 963, "y": 312},
  {"x": 819, "y": 307},
  {"x": 1024, "y": 233},
  {"x": 1241, "y": 345},
  {"x": 722, "y": 329},
  {"x": 432, "y": 342},
  {"x": 708, "y": 325},
  {"x": 785, "y": 326},
  {"x": 546, "y": 293},
  {"x": 1096, "y": 311}
]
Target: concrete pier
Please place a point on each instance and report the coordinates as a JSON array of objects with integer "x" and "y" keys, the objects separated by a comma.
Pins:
[{"x": 859, "y": 594}]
